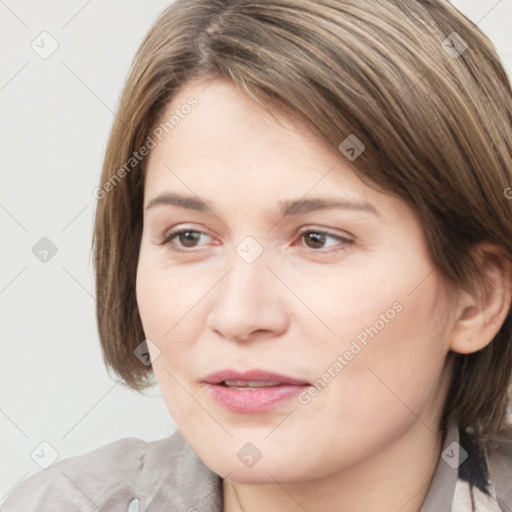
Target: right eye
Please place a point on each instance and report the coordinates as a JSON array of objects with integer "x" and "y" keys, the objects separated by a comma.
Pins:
[{"x": 187, "y": 239}]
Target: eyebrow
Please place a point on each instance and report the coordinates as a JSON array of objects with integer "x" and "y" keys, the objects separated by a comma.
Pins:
[{"x": 286, "y": 207}]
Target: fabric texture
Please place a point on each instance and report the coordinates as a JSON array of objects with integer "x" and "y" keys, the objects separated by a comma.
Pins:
[{"x": 131, "y": 475}]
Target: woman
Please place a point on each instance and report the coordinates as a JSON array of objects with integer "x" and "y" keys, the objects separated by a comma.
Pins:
[{"x": 304, "y": 232}]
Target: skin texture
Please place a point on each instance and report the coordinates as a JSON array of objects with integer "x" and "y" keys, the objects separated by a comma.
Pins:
[{"x": 367, "y": 441}]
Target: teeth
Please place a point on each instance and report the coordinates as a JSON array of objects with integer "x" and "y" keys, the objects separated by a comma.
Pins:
[{"x": 250, "y": 383}]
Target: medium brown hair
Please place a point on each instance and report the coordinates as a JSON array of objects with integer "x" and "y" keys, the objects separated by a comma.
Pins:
[{"x": 416, "y": 81}]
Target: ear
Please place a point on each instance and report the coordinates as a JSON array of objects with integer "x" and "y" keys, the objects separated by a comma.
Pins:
[{"x": 481, "y": 315}]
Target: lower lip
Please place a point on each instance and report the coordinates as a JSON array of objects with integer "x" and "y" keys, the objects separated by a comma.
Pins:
[{"x": 254, "y": 399}]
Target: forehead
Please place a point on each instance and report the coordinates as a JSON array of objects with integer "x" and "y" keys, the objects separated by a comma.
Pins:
[{"x": 228, "y": 145}]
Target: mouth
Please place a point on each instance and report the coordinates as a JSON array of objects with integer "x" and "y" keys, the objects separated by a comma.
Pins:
[
  {"x": 249, "y": 384},
  {"x": 253, "y": 378},
  {"x": 252, "y": 391}
]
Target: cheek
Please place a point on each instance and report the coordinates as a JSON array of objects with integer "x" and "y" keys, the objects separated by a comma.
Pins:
[
  {"x": 150, "y": 298},
  {"x": 159, "y": 310},
  {"x": 166, "y": 299},
  {"x": 389, "y": 344},
  {"x": 156, "y": 300},
  {"x": 172, "y": 315},
  {"x": 402, "y": 368}
]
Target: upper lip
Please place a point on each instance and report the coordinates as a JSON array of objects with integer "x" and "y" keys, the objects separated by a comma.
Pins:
[{"x": 253, "y": 375}]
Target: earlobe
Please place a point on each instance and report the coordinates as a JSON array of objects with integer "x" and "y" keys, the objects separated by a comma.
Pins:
[{"x": 483, "y": 313}]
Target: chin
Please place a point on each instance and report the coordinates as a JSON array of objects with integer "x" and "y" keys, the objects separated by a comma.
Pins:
[{"x": 283, "y": 467}]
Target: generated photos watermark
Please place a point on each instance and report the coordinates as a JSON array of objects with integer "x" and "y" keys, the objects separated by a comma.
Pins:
[
  {"x": 137, "y": 156},
  {"x": 356, "y": 346}
]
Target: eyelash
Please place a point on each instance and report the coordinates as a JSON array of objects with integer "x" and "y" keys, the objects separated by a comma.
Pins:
[{"x": 167, "y": 238}]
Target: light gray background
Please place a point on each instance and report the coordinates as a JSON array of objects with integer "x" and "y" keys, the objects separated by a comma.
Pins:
[{"x": 55, "y": 117}]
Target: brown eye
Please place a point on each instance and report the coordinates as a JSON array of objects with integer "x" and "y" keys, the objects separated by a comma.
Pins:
[
  {"x": 188, "y": 238},
  {"x": 314, "y": 240},
  {"x": 317, "y": 240},
  {"x": 183, "y": 239}
]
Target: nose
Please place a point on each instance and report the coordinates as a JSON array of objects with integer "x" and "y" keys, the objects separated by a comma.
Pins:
[{"x": 249, "y": 303}]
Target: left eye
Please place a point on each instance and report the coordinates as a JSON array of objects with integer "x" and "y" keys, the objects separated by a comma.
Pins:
[{"x": 315, "y": 239}]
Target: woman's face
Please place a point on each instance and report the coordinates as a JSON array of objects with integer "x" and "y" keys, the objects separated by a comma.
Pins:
[{"x": 265, "y": 279}]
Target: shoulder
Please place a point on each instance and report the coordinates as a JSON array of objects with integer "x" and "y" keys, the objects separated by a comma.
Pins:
[
  {"x": 109, "y": 477},
  {"x": 71, "y": 483}
]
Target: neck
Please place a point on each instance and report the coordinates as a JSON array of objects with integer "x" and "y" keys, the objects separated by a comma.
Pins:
[{"x": 396, "y": 478}]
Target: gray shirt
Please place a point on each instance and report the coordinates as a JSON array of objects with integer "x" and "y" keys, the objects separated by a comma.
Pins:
[{"x": 131, "y": 475}]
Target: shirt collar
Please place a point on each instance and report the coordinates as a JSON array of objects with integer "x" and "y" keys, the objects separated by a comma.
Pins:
[{"x": 461, "y": 480}]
